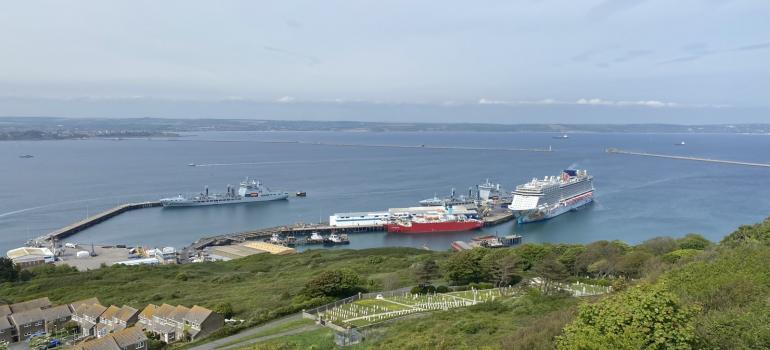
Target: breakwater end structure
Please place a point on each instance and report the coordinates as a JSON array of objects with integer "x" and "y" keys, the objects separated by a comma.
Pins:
[{"x": 709, "y": 160}]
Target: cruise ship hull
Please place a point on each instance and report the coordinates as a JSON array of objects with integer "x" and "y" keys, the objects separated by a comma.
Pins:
[
  {"x": 427, "y": 227},
  {"x": 545, "y": 213},
  {"x": 196, "y": 203}
]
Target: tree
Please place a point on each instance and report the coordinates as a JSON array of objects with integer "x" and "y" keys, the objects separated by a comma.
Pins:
[
  {"x": 660, "y": 245},
  {"x": 425, "y": 271},
  {"x": 601, "y": 257},
  {"x": 640, "y": 318},
  {"x": 466, "y": 267},
  {"x": 632, "y": 264},
  {"x": 8, "y": 272},
  {"x": 505, "y": 269},
  {"x": 224, "y": 309},
  {"x": 339, "y": 284},
  {"x": 693, "y": 241},
  {"x": 551, "y": 271}
]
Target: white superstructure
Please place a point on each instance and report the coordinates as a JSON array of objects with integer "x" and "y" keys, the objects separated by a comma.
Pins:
[
  {"x": 545, "y": 198},
  {"x": 359, "y": 219}
]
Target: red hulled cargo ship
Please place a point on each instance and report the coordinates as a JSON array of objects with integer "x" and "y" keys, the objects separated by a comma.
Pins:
[{"x": 449, "y": 223}]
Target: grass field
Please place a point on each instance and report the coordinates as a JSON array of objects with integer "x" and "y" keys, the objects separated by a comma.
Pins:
[{"x": 258, "y": 287}]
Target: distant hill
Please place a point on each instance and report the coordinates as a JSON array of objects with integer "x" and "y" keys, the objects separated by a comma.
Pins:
[{"x": 74, "y": 125}]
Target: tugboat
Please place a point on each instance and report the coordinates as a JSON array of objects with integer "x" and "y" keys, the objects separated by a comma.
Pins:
[
  {"x": 679, "y": 144},
  {"x": 26, "y": 156},
  {"x": 335, "y": 239}
]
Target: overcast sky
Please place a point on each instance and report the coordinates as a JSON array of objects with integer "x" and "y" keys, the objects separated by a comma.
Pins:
[{"x": 683, "y": 61}]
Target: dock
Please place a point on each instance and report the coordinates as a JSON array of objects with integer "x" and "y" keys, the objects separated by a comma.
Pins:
[
  {"x": 81, "y": 225},
  {"x": 497, "y": 218},
  {"x": 709, "y": 160}
]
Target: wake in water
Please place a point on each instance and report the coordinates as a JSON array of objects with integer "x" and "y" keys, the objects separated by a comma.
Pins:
[{"x": 20, "y": 211}]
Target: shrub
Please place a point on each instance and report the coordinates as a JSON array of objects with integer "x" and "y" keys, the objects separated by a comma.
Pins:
[
  {"x": 442, "y": 289},
  {"x": 693, "y": 241},
  {"x": 481, "y": 285},
  {"x": 339, "y": 284},
  {"x": 681, "y": 254},
  {"x": 640, "y": 318}
]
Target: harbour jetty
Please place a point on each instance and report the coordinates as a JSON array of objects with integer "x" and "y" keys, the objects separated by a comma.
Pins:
[
  {"x": 81, "y": 225},
  {"x": 307, "y": 229},
  {"x": 709, "y": 160}
]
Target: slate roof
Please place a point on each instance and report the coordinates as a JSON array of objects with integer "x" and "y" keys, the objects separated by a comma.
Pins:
[
  {"x": 105, "y": 343},
  {"x": 110, "y": 312},
  {"x": 198, "y": 314},
  {"x": 179, "y": 313},
  {"x": 4, "y": 323},
  {"x": 126, "y": 313},
  {"x": 128, "y": 336},
  {"x": 5, "y": 310},
  {"x": 90, "y": 301},
  {"x": 57, "y": 312},
  {"x": 26, "y": 317},
  {"x": 148, "y": 311},
  {"x": 164, "y": 311},
  {"x": 39, "y": 303}
]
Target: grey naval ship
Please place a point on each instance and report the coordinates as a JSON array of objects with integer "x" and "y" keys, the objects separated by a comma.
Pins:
[{"x": 248, "y": 192}]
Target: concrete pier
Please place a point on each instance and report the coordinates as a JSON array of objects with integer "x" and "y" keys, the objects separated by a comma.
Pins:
[
  {"x": 81, "y": 225},
  {"x": 709, "y": 160}
]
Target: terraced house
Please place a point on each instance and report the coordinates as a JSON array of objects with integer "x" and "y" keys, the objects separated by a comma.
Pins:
[
  {"x": 174, "y": 323},
  {"x": 131, "y": 338}
]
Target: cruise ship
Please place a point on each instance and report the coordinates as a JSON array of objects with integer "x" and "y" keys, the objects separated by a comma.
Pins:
[
  {"x": 249, "y": 191},
  {"x": 542, "y": 199}
]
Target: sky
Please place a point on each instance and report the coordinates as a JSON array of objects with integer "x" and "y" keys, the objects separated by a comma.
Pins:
[{"x": 514, "y": 61}]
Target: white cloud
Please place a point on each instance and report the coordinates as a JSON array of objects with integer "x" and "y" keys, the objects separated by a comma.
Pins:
[
  {"x": 594, "y": 102},
  {"x": 286, "y": 99}
]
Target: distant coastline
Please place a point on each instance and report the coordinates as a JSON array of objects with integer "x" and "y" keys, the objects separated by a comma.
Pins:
[{"x": 55, "y": 128}]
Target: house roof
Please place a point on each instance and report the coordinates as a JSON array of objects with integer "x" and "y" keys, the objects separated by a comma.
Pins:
[
  {"x": 90, "y": 301},
  {"x": 4, "y": 323},
  {"x": 28, "y": 316},
  {"x": 148, "y": 311},
  {"x": 57, "y": 312},
  {"x": 92, "y": 310},
  {"x": 128, "y": 336},
  {"x": 164, "y": 311},
  {"x": 179, "y": 313},
  {"x": 198, "y": 314},
  {"x": 105, "y": 343},
  {"x": 5, "y": 310},
  {"x": 39, "y": 303},
  {"x": 126, "y": 313},
  {"x": 110, "y": 312}
]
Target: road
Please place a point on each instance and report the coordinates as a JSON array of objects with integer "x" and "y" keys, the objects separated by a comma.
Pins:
[{"x": 217, "y": 344}]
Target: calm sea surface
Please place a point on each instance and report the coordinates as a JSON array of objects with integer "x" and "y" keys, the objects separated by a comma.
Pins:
[{"x": 637, "y": 198}]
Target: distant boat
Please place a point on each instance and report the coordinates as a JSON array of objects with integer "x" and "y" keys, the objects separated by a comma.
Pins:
[
  {"x": 27, "y": 156},
  {"x": 191, "y": 164},
  {"x": 679, "y": 144},
  {"x": 562, "y": 137}
]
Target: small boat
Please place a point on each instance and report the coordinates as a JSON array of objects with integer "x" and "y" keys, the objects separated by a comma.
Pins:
[
  {"x": 315, "y": 238},
  {"x": 275, "y": 239},
  {"x": 27, "y": 156},
  {"x": 561, "y": 137},
  {"x": 679, "y": 144},
  {"x": 301, "y": 194},
  {"x": 191, "y": 164},
  {"x": 290, "y": 241},
  {"x": 337, "y": 239}
]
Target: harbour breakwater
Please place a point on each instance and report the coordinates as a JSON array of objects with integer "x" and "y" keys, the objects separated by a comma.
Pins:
[{"x": 709, "y": 160}]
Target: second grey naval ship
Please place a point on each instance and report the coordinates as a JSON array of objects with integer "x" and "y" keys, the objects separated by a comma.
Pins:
[
  {"x": 248, "y": 192},
  {"x": 542, "y": 199}
]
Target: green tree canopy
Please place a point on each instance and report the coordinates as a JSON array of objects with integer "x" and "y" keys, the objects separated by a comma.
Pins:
[
  {"x": 8, "y": 272},
  {"x": 338, "y": 283},
  {"x": 466, "y": 267},
  {"x": 647, "y": 317},
  {"x": 693, "y": 241}
]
